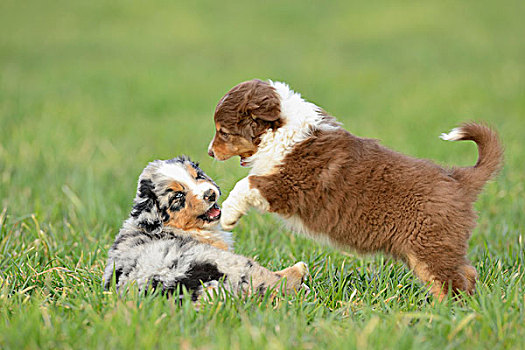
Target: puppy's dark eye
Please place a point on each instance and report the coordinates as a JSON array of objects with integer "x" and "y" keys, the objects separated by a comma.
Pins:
[
  {"x": 177, "y": 201},
  {"x": 200, "y": 176},
  {"x": 224, "y": 135}
]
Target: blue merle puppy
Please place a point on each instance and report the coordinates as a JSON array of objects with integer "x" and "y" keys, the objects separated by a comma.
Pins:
[{"x": 173, "y": 239}]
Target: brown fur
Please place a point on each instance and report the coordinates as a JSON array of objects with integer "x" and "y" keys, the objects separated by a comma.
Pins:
[
  {"x": 363, "y": 196},
  {"x": 245, "y": 113}
]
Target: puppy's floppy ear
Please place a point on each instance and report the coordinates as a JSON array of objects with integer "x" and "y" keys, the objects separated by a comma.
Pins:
[
  {"x": 260, "y": 101},
  {"x": 146, "y": 207}
]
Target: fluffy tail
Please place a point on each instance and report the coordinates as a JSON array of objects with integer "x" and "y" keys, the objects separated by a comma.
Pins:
[{"x": 490, "y": 159}]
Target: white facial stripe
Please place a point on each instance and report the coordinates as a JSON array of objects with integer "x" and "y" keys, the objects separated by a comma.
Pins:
[
  {"x": 203, "y": 187},
  {"x": 179, "y": 173}
]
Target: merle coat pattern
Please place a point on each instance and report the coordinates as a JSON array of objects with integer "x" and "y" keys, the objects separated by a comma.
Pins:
[{"x": 172, "y": 240}]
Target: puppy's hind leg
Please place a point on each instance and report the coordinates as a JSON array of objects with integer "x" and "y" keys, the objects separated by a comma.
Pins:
[
  {"x": 423, "y": 272},
  {"x": 245, "y": 276},
  {"x": 444, "y": 271},
  {"x": 471, "y": 275},
  {"x": 291, "y": 278},
  {"x": 295, "y": 276}
]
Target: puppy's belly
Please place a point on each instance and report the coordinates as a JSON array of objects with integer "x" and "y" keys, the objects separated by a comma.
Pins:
[
  {"x": 295, "y": 223},
  {"x": 367, "y": 244}
]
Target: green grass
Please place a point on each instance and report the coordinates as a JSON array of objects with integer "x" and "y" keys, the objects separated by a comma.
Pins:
[{"x": 90, "y": 91}]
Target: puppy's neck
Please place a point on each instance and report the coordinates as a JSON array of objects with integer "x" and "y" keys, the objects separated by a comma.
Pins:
[
  {"x": 301, "y": 118},
  {"x": 216, "y": 238},
  {"x": 211, "y": 236}
]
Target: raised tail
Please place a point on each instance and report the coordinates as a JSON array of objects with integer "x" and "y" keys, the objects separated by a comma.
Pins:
[{"x": 490, "y": 159}]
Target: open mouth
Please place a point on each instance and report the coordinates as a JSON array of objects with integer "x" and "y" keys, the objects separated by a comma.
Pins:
[
  {"x": 212, "y": 214},
  {"x": 244, "y": 162}
]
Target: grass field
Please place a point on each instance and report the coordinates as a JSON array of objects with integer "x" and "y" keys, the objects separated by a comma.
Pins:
[{"x": 90, "y": 91}]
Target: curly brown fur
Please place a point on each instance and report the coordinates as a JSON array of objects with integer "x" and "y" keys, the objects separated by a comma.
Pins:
[{"x": 355, "y": 193}]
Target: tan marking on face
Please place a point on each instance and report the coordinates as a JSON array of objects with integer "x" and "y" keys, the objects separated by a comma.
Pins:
[
  {"x": 187, "y": 217},
  {"x": 191, "y": 170},
  {"x": 176, "y": 186},
  {"x": 234, "y": 146},
  {"x": 187, "y": 220}
]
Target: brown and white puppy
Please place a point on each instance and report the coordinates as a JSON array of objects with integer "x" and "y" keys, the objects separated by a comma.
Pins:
[{"x": 351, "y": 191}]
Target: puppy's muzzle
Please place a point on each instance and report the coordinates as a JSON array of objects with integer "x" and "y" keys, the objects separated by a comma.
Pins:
[{"x": 210, "y": 196}]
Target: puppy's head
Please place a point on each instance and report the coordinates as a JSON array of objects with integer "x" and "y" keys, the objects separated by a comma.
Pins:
[
  {"x": 175, "y": 193},
  {"x": 242, "y": 116}
]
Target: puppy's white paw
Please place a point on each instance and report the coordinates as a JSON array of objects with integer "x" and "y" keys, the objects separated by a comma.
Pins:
[
  {"x": 228, "y": 225},
  {"x": 230, "y": 216}
]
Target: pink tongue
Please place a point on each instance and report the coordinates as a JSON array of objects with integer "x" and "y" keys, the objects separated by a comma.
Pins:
[{"x": 214, "y": 212}]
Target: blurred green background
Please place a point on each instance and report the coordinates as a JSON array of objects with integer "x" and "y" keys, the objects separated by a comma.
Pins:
[{"x": 90, "y": 91}]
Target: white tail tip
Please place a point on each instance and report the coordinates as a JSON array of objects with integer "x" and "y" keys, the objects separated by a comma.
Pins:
[{"x": 453, "y": 135}]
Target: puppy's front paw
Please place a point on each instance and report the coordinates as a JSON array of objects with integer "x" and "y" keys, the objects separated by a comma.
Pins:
[
  {"x": 230, "y": 216},
  {"x": 228, "y": 225}
]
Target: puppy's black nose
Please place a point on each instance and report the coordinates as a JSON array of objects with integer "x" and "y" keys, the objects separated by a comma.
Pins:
[
  {"x": 210, "y": 153},
  {"x": 210, "y": 196}
]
